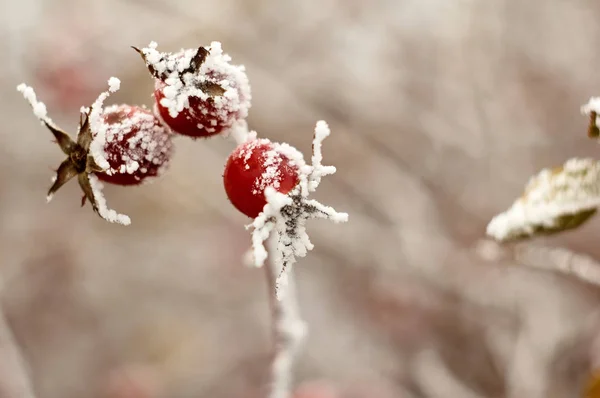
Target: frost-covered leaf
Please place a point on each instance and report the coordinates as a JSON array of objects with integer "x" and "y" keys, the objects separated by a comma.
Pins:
[{"x": 554, "y": 201}]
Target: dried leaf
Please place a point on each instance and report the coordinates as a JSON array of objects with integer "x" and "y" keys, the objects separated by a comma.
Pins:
[
  {"x": 150, "y": 67},
  {"x": 198, "y": 59},
  {"x": 555, "y": 200}
]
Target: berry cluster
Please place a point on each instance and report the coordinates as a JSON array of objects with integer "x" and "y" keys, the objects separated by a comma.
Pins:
[{"x": 198, "y": 93}]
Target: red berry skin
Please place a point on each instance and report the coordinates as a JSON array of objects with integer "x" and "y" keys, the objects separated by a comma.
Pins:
[
  {"x": 251, "y": 168},
  {"x": 137, "y": 146},
  {"x": 192, "y": 121},
  {"x": 201, "y": 117}
]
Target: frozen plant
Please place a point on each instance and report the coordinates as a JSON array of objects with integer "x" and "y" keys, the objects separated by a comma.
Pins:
[
  {"x": 199, "y": 93},
  {"x": 556, "y": 200},
  {"x": 123, "y": 145},
  {"x": 270, "y": 182}
]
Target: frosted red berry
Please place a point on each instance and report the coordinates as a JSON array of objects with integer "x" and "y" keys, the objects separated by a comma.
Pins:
[
  {"x": 198, "y": 92},
  {"x": 251, "y": 168},
  {"x": 137, "y": 145},
  {"x": 120, "y": 144}
]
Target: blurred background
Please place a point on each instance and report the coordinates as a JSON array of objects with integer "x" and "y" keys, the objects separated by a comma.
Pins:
[{"x": 440, "y": 111}]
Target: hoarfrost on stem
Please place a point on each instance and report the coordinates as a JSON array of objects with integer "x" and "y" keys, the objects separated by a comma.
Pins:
[
  {"x": 39, "y": 108},
  {"x": 560, "y": 260},
  {"x": 288, "y": 328}
]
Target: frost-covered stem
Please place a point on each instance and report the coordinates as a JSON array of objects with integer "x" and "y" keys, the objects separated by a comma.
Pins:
[
  {"x": 561, "y": 260},
  {"x": 240, "y": 133},
  {"x": 288, "y": 329},
  {"x": 14, "y": 378}
]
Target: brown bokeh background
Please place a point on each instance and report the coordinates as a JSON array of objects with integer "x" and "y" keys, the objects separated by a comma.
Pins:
[{"x": 440, "y": 111}]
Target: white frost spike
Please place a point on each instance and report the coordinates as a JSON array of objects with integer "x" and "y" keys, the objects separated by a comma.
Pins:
[
  {"x": 554, "y": 200},
  {"x": 322, "y": 131},
  {"x": 39, "y": 108},
  {"x": 98, "y": 126},
  {"x": 114, "y": 84},
  {"x": 286, "y": 214},
  {"x": 106, "y": 213}
]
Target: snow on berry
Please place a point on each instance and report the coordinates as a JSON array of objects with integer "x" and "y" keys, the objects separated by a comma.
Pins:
[
  {"x": 251, "y": 168},
  {"x": 120, "y": 144},
  {"x": 137, "y": 146},
  {"x": 198, "y": 92},
  {"x": 270, "y": 182}
]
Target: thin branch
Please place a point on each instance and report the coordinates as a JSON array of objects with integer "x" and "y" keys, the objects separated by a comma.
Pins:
[
  {"x": 14, "y": 378},
  {"x": 560, "y": 260},
  {"x": 435, "y": 378},
  {"x": 288, "y": 328}
]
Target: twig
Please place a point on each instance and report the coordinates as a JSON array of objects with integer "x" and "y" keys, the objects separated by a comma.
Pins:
[
  {"x": 288, "y": 328},
  {"x": 561, "y": 260},
  {"x": 14, "y": 378},
  {"x": 436, "y": 380}
]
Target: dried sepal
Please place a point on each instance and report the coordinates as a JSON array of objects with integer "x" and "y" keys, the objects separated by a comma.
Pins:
[
  {"x": 88, "y": 192},
  {"x": 92, "y": 166},
  {"x": 149, "y": 65},
  {"x": 63, "y": 140},
  {"x": 168, "y": 62},
  {"x": 66, "y": 171},
  {"x": 81, "y": 161},
  {"x": 84, "y": 132},
  {"x": 197, "y": 60},
  {"x": 212, "y": 89},
  {"x": 554, "y": 201}
]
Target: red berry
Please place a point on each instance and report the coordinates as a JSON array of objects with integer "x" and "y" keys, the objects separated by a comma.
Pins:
[
  {"x": 251, "y": 168},
  {"x": 198, "y": 92},
  {"x": 137, "y": 145}
]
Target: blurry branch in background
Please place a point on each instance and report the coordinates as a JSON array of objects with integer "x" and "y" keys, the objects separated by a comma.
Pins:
[
  {"x": 288, "y": 329},
  {"x": 436, "y": 379},
  {"x": 14, "y": 378},
  {"x": 561, "y": 260}
]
